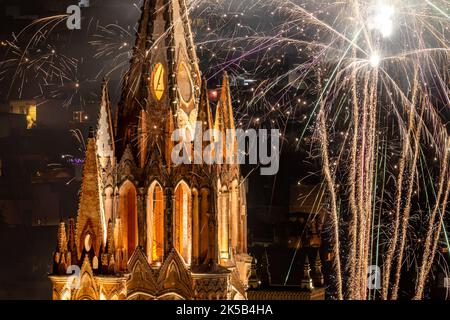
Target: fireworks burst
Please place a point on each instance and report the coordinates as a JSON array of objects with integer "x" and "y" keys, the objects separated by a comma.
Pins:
[
  {"x": 34, "y": 61},
  {"x": 381, "y": 77}
]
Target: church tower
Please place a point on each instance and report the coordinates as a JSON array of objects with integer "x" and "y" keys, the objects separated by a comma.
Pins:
[{"x": 147, "y": 226}]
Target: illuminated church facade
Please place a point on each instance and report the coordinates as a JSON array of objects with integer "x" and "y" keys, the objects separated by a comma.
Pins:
[{"x": 147, "y": 228}]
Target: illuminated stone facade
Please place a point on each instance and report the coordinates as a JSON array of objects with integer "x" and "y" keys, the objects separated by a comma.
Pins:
[{"x": 147, "y": 228}]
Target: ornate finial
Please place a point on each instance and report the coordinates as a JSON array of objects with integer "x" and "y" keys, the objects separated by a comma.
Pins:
[
  {"x": 62, "y": 238},
  {"x": 317, "y": 274},
  {"x": 89, "y": 203},
  {"x": 306, "y": 282},
  {"x": 204, "y": 115},
  {"x": 253, "y": 280}
]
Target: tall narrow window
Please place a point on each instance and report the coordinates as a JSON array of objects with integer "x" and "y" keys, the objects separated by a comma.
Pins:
[
  {"x": 183, "y": 221},
  {"x": 155, "y": 223},
  {"x": 128, "y": 216},
  {"x": 224, "y": 223}
]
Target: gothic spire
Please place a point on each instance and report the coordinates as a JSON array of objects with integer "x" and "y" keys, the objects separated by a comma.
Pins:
[
  {"x": 225, "y": 100},
  {"x": 220, "y": 119},
  {"x": 204, "y": 113},
  {"x": 205, "y": 118},
  {"x": 163, "y": 73},
  {"x": 89, "y": 220},
  {"x": 317, "y": 274},
  {"x": 220, "y": 127},
  {"x": 224, "y": 122},
  {"x": 306, "y": 282},
  {"x": 105, "y": 136}
]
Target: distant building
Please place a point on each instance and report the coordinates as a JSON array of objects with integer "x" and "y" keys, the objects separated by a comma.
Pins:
[{"x": 27, "y": 108}]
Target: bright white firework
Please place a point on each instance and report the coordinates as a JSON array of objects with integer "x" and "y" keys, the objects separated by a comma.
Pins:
[
  {"x": 375, "y": 60},
  {"x": 381, "y": 19}
]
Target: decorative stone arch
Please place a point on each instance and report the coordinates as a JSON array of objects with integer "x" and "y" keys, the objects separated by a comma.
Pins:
[
  {"x": 155, "y": 223},
  {"x": 174, "y": 278},
  {"x": 127, "y": 212},
  {"x": 140, "y": 296},
  {"x": 182, "y": 220},
  {"x": 141, "y": 278},
  {"x": 127, "y": 166},
  {"x": 88, "y": 239},
  {"x": 171, "y": 296},
  {"x": 88, "y": 288},
  {"x": 109, "y": 179}
]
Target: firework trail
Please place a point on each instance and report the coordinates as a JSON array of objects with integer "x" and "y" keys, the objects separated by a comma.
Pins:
[
  {"x": 433, "y": 230},
  {"x": 403, "y": 66},
  {"x": 31, "y": 59},
  {"x": 323, "y": 137},
  {"x": 400, "y": 176}
]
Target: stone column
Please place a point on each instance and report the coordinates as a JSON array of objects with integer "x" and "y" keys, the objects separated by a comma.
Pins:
[
  {"x": 224, "y": 239},
  {"x": 141, "y": 217},
  {"x": 235, "y": 214},
  {"x": 195, "y": 228},
  {"x": 204, "y": 223},
  {"x": 168, "y": 220}
]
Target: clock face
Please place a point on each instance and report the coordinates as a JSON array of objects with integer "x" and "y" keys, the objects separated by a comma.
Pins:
[
  {"x": 158, "y": 81},
  {"x": 184, "y": 83}
]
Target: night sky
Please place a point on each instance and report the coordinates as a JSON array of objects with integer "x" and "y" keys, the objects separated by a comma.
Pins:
[{"x": 60, "y": 71}]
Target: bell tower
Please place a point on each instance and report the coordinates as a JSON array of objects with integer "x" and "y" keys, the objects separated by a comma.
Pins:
[
  {"x": 164, "y": 76},
  {"x": 148, "y": 228}
]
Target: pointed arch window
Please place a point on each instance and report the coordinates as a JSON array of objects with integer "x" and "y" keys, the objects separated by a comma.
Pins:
[
  {"x": 155, "y": 223},
  {"x": 183, "y": 221},
  {"x": 128, "y": 216}
]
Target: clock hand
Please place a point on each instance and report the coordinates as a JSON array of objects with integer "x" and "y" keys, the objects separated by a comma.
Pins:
[{"x": 159, "y": 82}]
